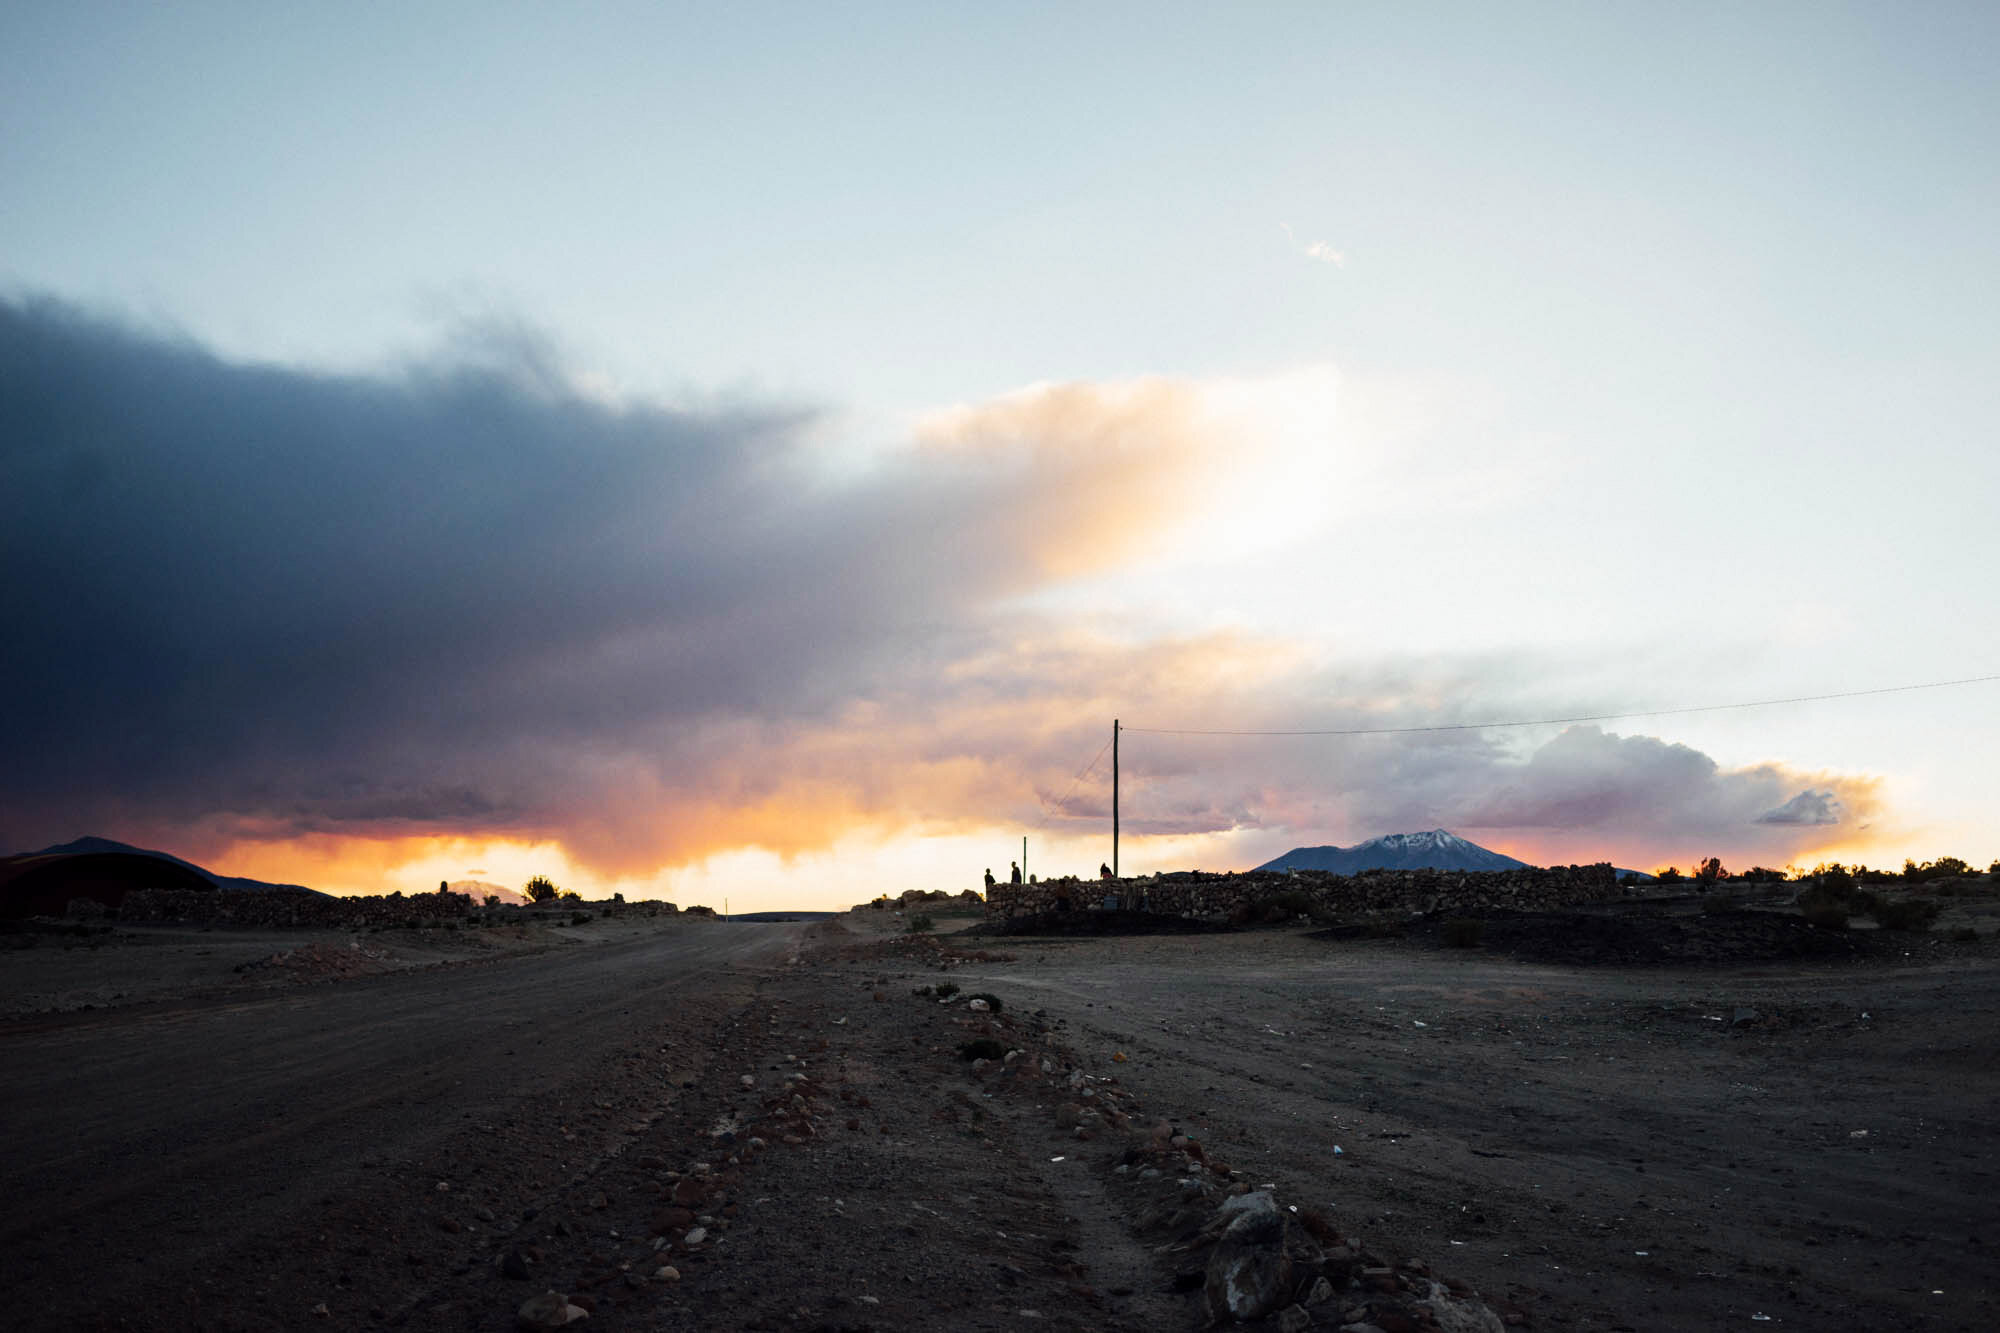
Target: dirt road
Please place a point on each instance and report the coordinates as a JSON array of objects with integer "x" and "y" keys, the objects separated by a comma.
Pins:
[
  {"x": 700, "y": 1126},
  {"x": 167, "y": 1159},
  {"x": 1805, "y": 1146}
]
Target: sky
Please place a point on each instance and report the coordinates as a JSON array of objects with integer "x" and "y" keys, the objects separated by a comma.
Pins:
[{"x": 753, "y": 454}]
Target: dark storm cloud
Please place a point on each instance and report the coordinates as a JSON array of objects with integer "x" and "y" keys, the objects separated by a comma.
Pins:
[
  {"x": 312, "y": 601},
  {"x": 257, "y": 602}
]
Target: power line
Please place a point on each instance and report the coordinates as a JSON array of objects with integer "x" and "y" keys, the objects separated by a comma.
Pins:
[
  {"x": 1049, "y": 809},
  {"x": 1558, "y": 721}
]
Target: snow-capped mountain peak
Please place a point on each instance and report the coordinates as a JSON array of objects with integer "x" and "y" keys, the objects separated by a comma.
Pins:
[{"x": 1437, "y": 849}]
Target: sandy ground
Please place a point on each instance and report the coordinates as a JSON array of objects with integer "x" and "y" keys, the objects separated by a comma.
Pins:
[
  {"x": 715, "y": 1130},
  {"x": 104, "y": 966}
]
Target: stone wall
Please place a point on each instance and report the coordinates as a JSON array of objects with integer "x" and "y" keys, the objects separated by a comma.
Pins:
[
  {"x": 1193, "y": 893},
  {"x": 254, "y": 907},
  {"x": 284, "y": 908}
]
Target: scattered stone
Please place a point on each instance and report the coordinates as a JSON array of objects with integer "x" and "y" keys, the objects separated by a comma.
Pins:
[
  {"x": 666, "y": 1273},
  {"x": 1455, "y": 1315},
  {"x": 548, "y": 1310},
  {"x": 695, "y": 1237},
  {"x": 1293, "y": 1319}
]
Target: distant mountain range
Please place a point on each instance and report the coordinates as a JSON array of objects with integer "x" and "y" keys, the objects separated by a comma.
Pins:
[
  {"x": 479, "y": 891},
  {"x": 1436, "y": 850},
  {"x": 232, "y": 882}
]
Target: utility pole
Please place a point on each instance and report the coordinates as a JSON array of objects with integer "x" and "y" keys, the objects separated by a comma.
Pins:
[{"x": 1114, "y": 798}]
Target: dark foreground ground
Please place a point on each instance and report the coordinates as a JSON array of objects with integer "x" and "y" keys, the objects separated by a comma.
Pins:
[{"x": 765, "y": 1126}]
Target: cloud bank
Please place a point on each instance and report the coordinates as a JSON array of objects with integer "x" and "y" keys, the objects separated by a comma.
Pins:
[{"x": 467, "y": 599}]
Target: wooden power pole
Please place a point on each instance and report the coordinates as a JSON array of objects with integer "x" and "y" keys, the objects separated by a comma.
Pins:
[{"x": 1114, "y": 798}]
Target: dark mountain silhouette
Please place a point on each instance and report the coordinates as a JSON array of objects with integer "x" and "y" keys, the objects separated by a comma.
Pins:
[{"x": 233, "y": 882}]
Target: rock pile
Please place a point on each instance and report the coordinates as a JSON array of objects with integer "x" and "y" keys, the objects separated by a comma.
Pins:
[{"x": 1255, "y": 1260}]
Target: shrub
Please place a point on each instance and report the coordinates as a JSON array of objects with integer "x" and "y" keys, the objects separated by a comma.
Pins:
[
  {"x": 1464, "y": 932},
  {"x": 944, "y": 990},
  {"x": 982, "y": 1048},
  {"x": 579, "y": 918},
  {"x": 1709, "y": 871},
  {"x": 1830, "y": 900},
  {"x": 917, "y": 925},
  {"x": 1282, "y": 907},
  {"x": 992, "y": 1000},
  {"x": 1762, "y": 875},
  {"x": 1965, "y": 934},
  {"x": 1903, "y": 913},
  {"x": 1670, "y": 875},
  {"x": 540, "y": 889}
]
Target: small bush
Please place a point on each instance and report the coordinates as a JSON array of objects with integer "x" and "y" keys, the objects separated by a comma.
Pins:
[
  {"x": 1965, "y": 935},
  {"x": 919, "y": 925},
  {"x": 1464, "y": 932},
  {"x": 944, "y": 990},
  {"x": 1903, "y": 914},
  {"x": 1282, "y": 906},
  {"x": 579, "y": 918},
  {"x": 992, "y": 1000},
  {"x": 982, "y": 1048}
]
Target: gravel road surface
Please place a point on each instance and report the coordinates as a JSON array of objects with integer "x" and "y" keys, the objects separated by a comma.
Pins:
[{"x": 171, "y": 1164}]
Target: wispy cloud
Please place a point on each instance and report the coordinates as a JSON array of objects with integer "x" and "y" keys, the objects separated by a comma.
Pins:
[{"x": 1320, "y": 251}]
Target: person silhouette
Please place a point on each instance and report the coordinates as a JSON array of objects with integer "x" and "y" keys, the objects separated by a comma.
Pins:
[
  {"x": 1017, "y": 870},
  {"x": 989, "y": 879}
]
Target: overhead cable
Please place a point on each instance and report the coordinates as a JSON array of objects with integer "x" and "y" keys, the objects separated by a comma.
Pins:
[{"x": 1556, "y": 721}]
